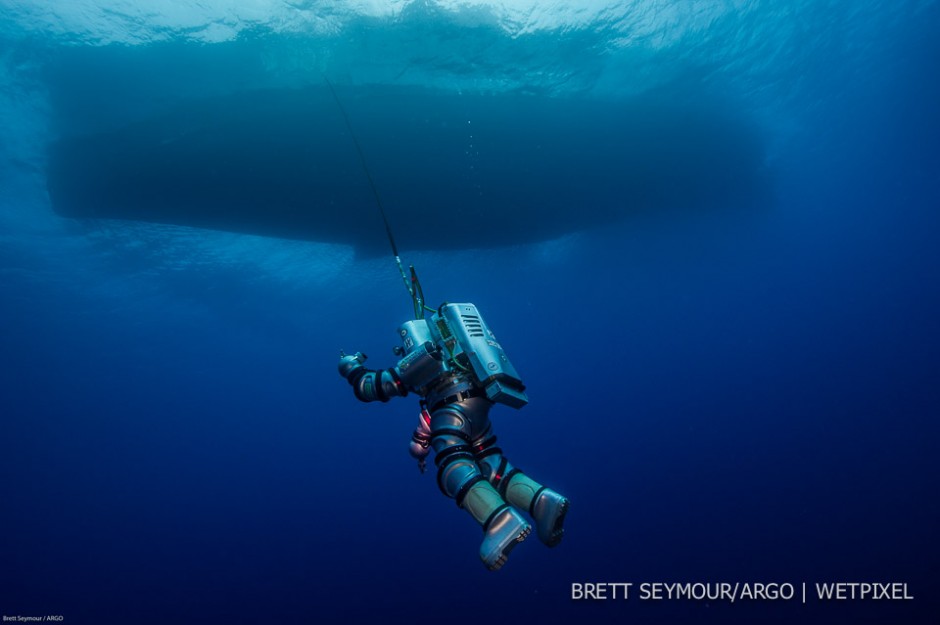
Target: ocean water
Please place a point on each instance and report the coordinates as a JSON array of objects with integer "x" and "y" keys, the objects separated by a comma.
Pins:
[{"x": 743, "y": 394}]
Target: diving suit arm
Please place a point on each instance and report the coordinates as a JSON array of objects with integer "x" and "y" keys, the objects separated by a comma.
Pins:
[{"x": 370, "y": 384}]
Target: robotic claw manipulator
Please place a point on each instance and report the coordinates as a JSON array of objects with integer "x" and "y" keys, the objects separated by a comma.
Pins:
[{"x": 453, "y": 362}]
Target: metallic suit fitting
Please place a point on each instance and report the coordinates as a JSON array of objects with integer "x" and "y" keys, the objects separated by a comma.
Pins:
[{"x": 453, "y": 362}]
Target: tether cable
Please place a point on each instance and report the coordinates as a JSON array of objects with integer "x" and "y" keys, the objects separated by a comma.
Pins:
[
  {"x": 365, "y": 168},
  {"x": 414, "y": 288}
]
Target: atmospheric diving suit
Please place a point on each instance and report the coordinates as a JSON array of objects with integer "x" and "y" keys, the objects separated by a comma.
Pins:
[{"x": 453, "y": 362}]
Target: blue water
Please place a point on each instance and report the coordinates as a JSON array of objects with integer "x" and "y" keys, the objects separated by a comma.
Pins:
[{"x": 723, "y": 395}]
